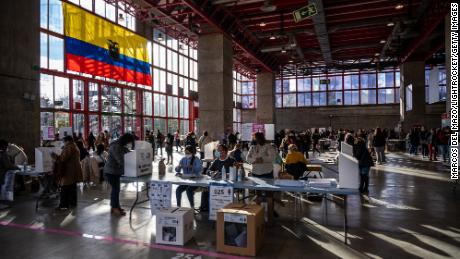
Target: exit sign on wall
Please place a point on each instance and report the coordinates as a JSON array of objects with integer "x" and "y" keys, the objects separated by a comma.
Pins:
[{"x": 304, "y": 12}]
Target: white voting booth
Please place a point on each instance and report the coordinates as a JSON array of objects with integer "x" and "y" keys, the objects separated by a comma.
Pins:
[
  {"x": 43, "y": 159},
  {"x": 209, "y": 150},
  {"x": 348, "y": 171},
  {"x": 346, "y": 148},
  {"x": 139, "y": 161}
]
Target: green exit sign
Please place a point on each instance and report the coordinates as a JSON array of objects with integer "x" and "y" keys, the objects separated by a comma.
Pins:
[
  {"x": 325, "y": 81},
  {"x": 304, "y": 12}
]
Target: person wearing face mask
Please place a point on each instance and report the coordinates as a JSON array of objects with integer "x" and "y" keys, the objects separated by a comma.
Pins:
[
  {"x": 114, "y": 169},
  {"x": 223, "y": 160},
  {"x": 189, "y": 165}
]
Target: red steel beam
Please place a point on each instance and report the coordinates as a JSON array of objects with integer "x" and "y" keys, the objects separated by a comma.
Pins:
[{"x": 239, "y": 42}]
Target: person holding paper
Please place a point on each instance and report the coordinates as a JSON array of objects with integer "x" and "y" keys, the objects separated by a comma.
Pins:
[
  {"x": 261, "y": 156},
  {"x": 189, "y": 165},
  {"x": 114, "y": 169}
]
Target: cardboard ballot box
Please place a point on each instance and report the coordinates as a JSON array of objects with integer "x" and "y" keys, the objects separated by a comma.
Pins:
[
  {"x": 139, "y": 161},
  {"x": 240, "y": 229},
  {"x": 174, "y": 226},
  {"x": 43, "y": 160}
]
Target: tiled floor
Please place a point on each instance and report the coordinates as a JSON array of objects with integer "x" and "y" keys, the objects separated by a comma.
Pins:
[{"x": 410, "y": 212}]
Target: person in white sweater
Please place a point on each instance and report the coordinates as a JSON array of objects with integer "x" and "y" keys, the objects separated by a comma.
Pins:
[{"x": 261, "y": 156}]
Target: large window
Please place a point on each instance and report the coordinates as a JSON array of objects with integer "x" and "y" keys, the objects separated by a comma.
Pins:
[
  {"x": 90, "y": 103},
  {"x": 360, "y": 88}
]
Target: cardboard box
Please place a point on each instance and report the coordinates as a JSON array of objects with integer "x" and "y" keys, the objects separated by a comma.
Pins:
[
  {"x": 240, "y": 229},
  {"x": 139, "y": 161},
  {"x": 174, "y": 226}
]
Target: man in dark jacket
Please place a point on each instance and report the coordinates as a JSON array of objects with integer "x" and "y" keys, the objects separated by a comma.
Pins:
[{"x": 361, "y": 153}]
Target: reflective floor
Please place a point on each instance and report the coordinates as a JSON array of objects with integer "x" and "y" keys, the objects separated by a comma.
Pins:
[{"x": 411, "y": 211}]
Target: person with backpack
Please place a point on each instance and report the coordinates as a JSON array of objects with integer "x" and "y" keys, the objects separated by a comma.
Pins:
[
  {"x": 177, "y": 140},
  {"x": 379, "y": 142}
]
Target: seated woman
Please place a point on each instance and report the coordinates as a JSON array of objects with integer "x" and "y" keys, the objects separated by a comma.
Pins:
[
  {"x": 295, "y": 162},
  {"x": 190, "y": 165},
  {"x": 237, "y": 153},
  {"x": 222, "y": 161}
]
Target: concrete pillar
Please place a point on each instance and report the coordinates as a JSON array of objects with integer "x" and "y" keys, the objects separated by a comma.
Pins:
[
  {"x": 19, "y": 73},
  {"x": 265, "y": 112},
  {"x": 413, "y": 73},
  {"x": 215, "y": 84}
]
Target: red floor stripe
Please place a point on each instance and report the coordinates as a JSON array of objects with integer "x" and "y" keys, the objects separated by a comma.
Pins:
[{"x": 119, "y": 240}]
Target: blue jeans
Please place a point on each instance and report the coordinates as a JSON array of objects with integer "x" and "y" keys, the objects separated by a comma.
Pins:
[
  {"x": 364, "y": 179},
  {"x": 190, "y": 190},
  {"x": 443, "y": 149},
  {"x": 114, "y": 181}
]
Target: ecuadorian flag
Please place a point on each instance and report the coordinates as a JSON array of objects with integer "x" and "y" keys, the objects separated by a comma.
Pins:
[{"x": 98, "y": 47}]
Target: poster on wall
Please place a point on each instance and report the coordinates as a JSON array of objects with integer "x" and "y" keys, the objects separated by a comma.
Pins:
[
  {"x": 220, "y": 195},
  {"x": 256, "y": 127},
  {"x": 246, "y": 132},
  {"x": 269, "y": 131},
  {"x": 48, "y": 133}
]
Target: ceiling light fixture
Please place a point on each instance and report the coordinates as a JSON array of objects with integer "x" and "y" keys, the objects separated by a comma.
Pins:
[
  {"x": 262, "y": 24},
  {"x": 390, "y": 24},
  {"x": 272, "y": 37},
  {"x": 399, "y": 6},
  {"x": 120, "y": 17},
  {"x": 290, "y": 61},
  {"x": 283, "y": 50},
  {"x": 383, "y": 41},
  {"x": 377, "y": 54},
  {"x": 160, "y": 37}
]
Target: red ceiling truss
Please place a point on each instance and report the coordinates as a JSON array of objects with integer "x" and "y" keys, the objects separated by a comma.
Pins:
[{"x": 356, "y": 30}]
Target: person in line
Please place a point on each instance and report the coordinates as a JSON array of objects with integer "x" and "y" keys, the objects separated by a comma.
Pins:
[
  {"x": 177, "y": 140},
  {"x": 91, "y": 142},
  {"x": 295, "y": 162},
  {"x": 83, "y": 152},
  {"x": 101, "y": 159},
  {"x": 160, "y": 140},
  {"x": 70, "y": 173},
  {"x": 6, "y": 163},
  {"x": 261, "y": 156},
  {"x": 432, "y": 145},
  {"x": 414, "y": 140},
  {"x": 190, "y": 140},
  {"x": 169, "y": 142},
  {"x": 203, "y": 141},
  {"x": 150, "y": 137},
  {"x": 370, "y": 142},
  {"x": 379, "y": 145},
  {"x": 365, "y": 162},
  {"x": 424, "y": 134},
  {"x": 315, "y": 138},
  {"x": 114, "y": 169},
  {"x": 443, "y": 142},
  {"x": 19, "y": 157},
  {"x": 189, "y": 165}
]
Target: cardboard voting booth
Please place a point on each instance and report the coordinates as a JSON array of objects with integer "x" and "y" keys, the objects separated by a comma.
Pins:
[
  {"x": 43, "y": 160},
  {"x": 139, "y": 161},
  {"x": 209, "y": 150},
  {"x": 174, "y": 226},
  {"x": 348, "y": 171},
  {"x": 346, "y": 148},
  {"x": 240, "y": 229}
]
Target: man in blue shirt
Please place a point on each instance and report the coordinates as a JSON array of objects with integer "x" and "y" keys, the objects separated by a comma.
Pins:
[{"x": 190, "y": 166}]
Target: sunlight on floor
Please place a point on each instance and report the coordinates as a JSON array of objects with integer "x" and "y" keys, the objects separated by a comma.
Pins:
[
  {"x": 388, "y": 205},
  {"x": 436, "y": 243},
  {"x": 414, "y": 172}
]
